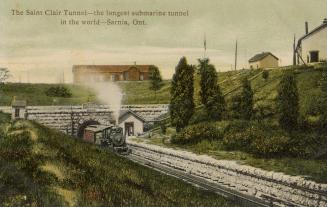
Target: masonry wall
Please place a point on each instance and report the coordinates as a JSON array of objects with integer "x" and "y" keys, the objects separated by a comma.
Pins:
[{"x": 68, "y": 119}]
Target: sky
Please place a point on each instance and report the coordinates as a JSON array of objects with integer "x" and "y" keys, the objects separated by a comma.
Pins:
[{"x": 39, "y": 49}]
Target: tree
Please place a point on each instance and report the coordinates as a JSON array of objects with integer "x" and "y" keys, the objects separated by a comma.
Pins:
[
  {"x": 4, "y": 74},
  {"x": 156, "y": 79},
  {"x": 288, "y": 102},
  {"x": 205, "y": 81},
  {"x": 182, "y": 90},
  {"x": 210, "y": 92},
  {"x": 265, "y": 75},
  {"x": 246, "y": 105},
  {"x": 323, "y": 81}
]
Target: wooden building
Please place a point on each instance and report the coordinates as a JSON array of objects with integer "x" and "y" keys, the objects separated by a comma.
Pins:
[
  {"x": 312, "y": 47},
  {"x": 263, "y": 60},
  {"x": 97, "y": 73},
  {"x": 18, "y": 109},
  {"x": 132, "y": 123}
]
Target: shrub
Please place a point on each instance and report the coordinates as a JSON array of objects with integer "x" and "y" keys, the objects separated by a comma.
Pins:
[
  {"x": 200, "y": 115},
  {"x": 268, "y": 146},
  {"x": 197, "y": 132},
  {"x": 234, "y": 107},
  {"x": 265, "y": 75},
  {"x": 258, "y": 139},
  {"x": 307, "y": 144},
  {"x": 288, "y": 102},
  {"x": 58, "y": 91},
  {"x": 163, "y": 128}
]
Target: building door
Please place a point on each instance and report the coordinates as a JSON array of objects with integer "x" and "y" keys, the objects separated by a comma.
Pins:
[
  {"x": 126, "y": 75},
  {"x": 129, "y": 128},
  {"x": 17, "y": 112},
  {"x": 314, "y": 56}
]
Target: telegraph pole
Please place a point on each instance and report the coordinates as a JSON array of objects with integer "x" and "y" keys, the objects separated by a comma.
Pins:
[
  {"x": 235, "y": 55},
  {"x": 294, "y": 52},
  {"x": 204, "y": 46}
]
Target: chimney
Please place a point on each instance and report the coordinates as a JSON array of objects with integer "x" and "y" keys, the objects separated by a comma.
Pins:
[
  {"x": 325, "y": 21},
  {"x": 306, "y": 28}
]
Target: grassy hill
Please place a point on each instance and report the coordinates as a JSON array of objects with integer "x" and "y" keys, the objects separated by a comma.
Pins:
[
  {"x": 42, "y": 167},
  {"x": 35, "y": 94},
  {"x": 139, "y": 92}
]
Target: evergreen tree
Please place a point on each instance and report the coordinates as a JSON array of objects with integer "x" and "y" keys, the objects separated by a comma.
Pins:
[
  {"x": 288, "y": 102},
  {"x": 205, "y": 81},
  {"x": 156, "y": 79},
  {"x": 210, "y": 92},
  {"x": 182, "y": 90},
  {"x": 246, "y": 105},
  {"x": 215, "y": 106}
]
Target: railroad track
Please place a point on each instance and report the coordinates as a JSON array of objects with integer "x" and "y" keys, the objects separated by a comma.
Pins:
[
  {"x": 203, "y": 184},
  {"x": 228, "y": 184}
]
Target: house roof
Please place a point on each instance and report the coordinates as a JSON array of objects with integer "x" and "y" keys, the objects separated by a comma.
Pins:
[
  {"x": 261, "y": 56},
  {"x": 317, "y": 29},
  {"x": 18, "y": 103},
  {"x": 111, "y": 68},
  {"x": 96, "y": 128},
  {"x": 123, "y": 113}
]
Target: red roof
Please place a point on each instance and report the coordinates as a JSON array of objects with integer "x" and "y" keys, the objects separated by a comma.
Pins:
[{"x": 111, "y": 68}]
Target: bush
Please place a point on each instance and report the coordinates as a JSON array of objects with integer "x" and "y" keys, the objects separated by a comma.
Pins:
[
  {"x": 197, "y": 132},
  {"x": 265, "y": 75},
  {"x": 268, "y": 146},
  {"x": 307, "y": 144},
  {"x": 258, "y": 139},
  {"x": 200, "y": 115},
  {"x": 58, "y": 91},
  {"x": 288, "y": 102},
  {"x": 163, "y": 128}
]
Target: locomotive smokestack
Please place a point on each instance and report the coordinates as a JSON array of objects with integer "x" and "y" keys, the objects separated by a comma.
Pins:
[{"x": 306, "y": 28}]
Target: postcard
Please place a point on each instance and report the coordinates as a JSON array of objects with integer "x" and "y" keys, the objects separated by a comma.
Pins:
[{"x": 163, "y": 103}]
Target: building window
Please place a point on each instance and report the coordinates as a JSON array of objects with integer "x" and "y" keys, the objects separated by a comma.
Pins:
[
  {"x": 125, "y": 75},
  {"x": 113, "y": 77},
  {"x": 16, "y": 113},
  {"x": 314, "y": 56}
]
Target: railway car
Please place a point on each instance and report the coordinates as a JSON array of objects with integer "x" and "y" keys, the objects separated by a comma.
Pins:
[{"x": 108, "y": 136}]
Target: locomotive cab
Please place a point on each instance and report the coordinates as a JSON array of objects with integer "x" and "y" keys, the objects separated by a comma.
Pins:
[{"x": 111, "y": 136}]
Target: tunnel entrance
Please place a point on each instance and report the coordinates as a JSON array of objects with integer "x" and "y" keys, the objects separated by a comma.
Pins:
[{"x": 80, "y": 132}]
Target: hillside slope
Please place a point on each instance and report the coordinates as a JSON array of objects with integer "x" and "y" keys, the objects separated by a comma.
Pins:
[
  {"x": 139, "y": 93},
  {"x": 42, "y": 167}
]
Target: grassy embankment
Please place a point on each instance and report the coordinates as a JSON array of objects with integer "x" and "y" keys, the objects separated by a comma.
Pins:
[
  {"x": 134, "y": 93},
  {"x": 265, "y": 92},
  {"x": 42, "y": 167}
]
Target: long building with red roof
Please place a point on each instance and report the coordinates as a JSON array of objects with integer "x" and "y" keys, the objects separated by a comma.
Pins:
[{"x": 97, "y": 73}]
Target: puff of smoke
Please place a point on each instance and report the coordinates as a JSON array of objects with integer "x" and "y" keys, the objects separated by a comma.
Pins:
[{"x": 108, "y": 93}]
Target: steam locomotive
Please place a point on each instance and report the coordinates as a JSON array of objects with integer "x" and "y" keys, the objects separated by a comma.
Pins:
[{"x": 107, "y": 136}]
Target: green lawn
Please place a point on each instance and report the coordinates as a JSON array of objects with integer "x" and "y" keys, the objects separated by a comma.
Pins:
[
  {"x": 136, "y": 92},
  {"x": 42, "y": 167},
  {"x": 34, "y": 94}
]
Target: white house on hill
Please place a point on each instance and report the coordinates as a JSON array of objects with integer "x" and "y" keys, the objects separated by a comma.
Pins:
[
  {"x": 312, "y": 47},
  {"x": 263, "y": 60}
]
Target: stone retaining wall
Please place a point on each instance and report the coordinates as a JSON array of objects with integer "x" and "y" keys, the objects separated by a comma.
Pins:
[
  {"x": 68, "y": 119},
  {"x": 284, "y": 189}
]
